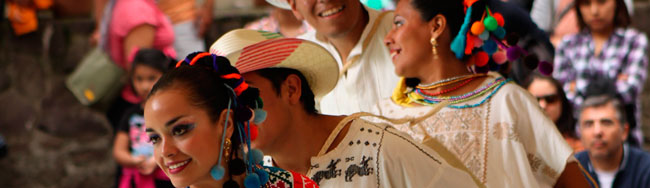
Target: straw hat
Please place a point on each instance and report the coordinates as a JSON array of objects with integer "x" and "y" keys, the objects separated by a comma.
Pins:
[
  {"x": 251, "y": 50},
  {"x": 284, "y": 4}
]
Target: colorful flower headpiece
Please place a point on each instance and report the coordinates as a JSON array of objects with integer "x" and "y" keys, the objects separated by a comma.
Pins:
[{"x": 485, "y": 39}]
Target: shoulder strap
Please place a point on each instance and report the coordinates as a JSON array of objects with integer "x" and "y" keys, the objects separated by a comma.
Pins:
[{"x": 365, "y": 43}]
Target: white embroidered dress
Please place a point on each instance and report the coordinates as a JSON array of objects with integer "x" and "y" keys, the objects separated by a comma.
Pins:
[
  {"x": 505, "y": 142},
  {"x": 377, "y": 155}
]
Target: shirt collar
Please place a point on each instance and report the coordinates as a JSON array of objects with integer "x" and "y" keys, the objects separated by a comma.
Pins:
[
  {"x": 372, "y": 16},
  {"x": 626, "y": 156},
  {"x": 618, "y": 32}
]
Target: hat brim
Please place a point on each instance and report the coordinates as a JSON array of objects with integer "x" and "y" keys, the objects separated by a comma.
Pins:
[
  {"x": 313, "y": 61},
  {"x": 283, "y": 4}
]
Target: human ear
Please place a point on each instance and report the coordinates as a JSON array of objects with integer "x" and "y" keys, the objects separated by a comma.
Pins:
[
  {"x": 437, "y": 25},
  {"x": 222, "y": 122},
  {"x": 297, "y": 14},
  {"x": 292, "y": 88},
  {"x": 626, "y": 131}
]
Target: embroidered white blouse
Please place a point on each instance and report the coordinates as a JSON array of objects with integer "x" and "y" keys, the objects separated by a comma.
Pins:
[
  {"x": 505, "y": 142},
  {"x": 377, "y": 155}
]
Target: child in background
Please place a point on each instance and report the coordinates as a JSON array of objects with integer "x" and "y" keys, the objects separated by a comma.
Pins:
[{"x": 131, "y": 147}]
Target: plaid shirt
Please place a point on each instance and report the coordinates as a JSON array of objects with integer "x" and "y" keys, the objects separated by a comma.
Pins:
[{"x": 624, "y": 53}]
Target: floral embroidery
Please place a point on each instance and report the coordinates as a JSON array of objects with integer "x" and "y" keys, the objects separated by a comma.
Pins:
[
  {"x": 505, "y": 131},
  {"x": 463, "y": 133},
  {"x": 534, "y": 162},
  {"x": 538, "y": 164}
]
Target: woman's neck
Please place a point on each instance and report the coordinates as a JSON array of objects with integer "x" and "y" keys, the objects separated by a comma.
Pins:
[
  {"x": 600, "y": 37},
  {"x": 447, "y": 66},
  {"x": 602, "y": 33},
  {"x": 209, "y": 182},
  {"x": 443, "y": 67}
]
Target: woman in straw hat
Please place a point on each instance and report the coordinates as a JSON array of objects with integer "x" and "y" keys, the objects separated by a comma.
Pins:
[
  {"x": 445, "y": 49},
  {"x": 335, "y": 151},
  {"x": 198, "y": 118}
]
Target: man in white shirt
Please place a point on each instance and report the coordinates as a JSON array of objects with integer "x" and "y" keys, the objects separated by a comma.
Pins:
[{"x": 354, "y": 35}]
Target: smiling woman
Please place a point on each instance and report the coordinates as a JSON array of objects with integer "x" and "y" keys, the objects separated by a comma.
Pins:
[
  {"x": 197, "y": 118},
  {"x": 444, "y": 50}
]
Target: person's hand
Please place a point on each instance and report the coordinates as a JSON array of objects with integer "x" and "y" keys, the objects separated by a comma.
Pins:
[
  {"x": 137, "y": 160},
  {"x": 94, "y": 38},
  {"x": 148, "y": 166},
  {"x": 203, "y": 21},
  {"x": 572, "y": 87}
]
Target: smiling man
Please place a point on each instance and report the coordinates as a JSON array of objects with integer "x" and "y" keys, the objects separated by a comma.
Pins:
[
  {"x": 353, "y": 34},
  {"x": 603, "y": 129}
]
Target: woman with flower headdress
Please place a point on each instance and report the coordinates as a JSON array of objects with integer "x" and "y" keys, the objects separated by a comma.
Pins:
[
  {"x": 198, "y": 117},
  {"x": 444, "y": 50}
]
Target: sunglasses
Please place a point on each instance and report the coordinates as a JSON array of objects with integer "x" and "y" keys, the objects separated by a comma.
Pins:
[{"x": 549, "y": 98}]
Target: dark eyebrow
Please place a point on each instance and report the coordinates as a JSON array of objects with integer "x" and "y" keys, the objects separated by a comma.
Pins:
[{"x": 170, "y": 122}]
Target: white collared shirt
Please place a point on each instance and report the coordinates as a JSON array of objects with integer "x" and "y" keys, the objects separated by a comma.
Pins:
[{"x": 369, "y": 79}]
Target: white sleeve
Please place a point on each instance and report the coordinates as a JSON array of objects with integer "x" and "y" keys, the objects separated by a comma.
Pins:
[
  {"x": 542, "y": 14},
  {"x": 630, "y": 7}
]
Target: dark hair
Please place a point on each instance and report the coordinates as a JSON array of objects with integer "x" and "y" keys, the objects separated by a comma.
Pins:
[
  {"x": 212, "y": 83},
  {"x": 566, "y": 123},
  {"x": 452, "y": 10},
  {"x": 601, "y": 91},
  {"x": 621, "y": 14},
  {"x": 602, "y": 100},
  {"x": 278, "y": 75},
  {"x": 153, "y": 58},
  {"x": 205, "y": 86}
]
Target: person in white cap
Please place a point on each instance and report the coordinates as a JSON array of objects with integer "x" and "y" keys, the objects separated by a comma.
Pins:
[
  {"x": 353, "y": 34},
  {"x": 334, "y": 151}
]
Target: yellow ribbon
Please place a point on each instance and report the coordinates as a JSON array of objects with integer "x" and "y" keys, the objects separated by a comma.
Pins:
[{"x": 399, "y": 94}]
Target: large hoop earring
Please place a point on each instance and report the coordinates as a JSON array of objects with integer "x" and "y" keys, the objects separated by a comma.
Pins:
[{"x": 434, "y": 43}]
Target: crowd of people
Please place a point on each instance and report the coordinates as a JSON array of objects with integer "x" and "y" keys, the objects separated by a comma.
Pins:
[{"x": 462, "y": 93}]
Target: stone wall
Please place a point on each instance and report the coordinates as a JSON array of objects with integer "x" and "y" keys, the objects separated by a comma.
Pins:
[
  {"x": 53, "y": 140},
  {"x": 640, "y": 21}
]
